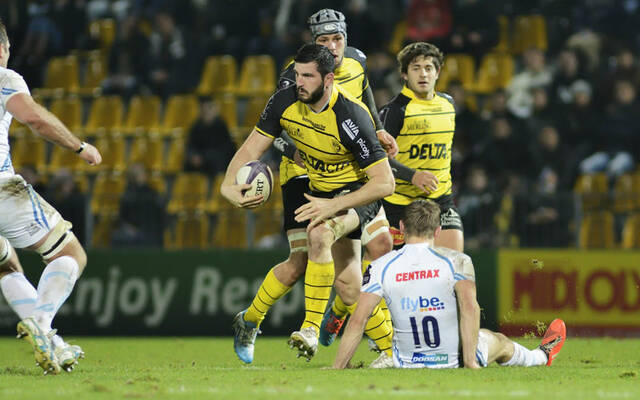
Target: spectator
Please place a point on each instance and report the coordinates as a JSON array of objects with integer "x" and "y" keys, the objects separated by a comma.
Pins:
[
  {"x": 548, "y": 152},
  {"x": 580, "y": 123},
  {"x": 68, "y": 199},
  {"x": 504, "y": 151},
  {"x": 569, "y": 70},
  {"x": 475, "y": 29},
  {"x": 31, "y": 176},
  {"x": 469, "y": 129},
  {"x": 141, "y": 219},
  {"x": 536, "y": 74},
  {"x": 209, "y": 146},
  {"x": 477, "y": 203},
  {"x": 543, "y": 112}
]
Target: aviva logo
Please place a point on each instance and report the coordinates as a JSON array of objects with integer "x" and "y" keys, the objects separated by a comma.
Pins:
[
  {"x": 350, "y": 128},
  {"x": 430, "y": 359}
]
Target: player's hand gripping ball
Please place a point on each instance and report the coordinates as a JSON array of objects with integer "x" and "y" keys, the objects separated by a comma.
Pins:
[{"x": 259, "y": 176}]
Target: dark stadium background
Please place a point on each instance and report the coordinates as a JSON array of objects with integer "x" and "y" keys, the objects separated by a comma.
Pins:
[{"x": 545, "y": 155}]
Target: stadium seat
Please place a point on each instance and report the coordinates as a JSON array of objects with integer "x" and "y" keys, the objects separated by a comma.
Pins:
[
  {"x": 107, "y": 190},
  {"x": 624, "y": 194},
  {"x": 61, "y": 77},
  {"x": 147, "y": 151},
  {"x": 95, "y": 71},
  {"x": 216, "y": 202},
  {"x": 252, "y": 112},
  {"x": 218, "y": 76},
  {"x": 597, "y": 230},
  {"x": 189, "y": 193},
  {"x": 64, "y": 158},
  {"x": 29, "y": 150},
  {"x": 495, "y": 72},
  {"x": 268, "y": 222},
  {"x": 593, "y": 191},
  {"x": 69, "y": 111},
  {"x": 228, "y": 110},
  {"x": 192, "y": 231},
  {"x": 631, "y": 232},
  {"x": 104, "y": 226},
  {"x": 157, "y": 182},
  {"x": 503, "y": 35},
  {"x": 113, "y": 154},
  {"x": 175, "y": 156},
  {"x": 529, "y": 31},
  {"x": 180, "y": 113},
  {"x": 231, "y": 229},
  {"x": 143, "y": 115},
  {"x": 257, "y": 76},
  {"x": 105, "y": 116},
  {"x": 104, "y": 32},
  {"x": 459, "y": 67},
  {"x": 17, "y": 129}
]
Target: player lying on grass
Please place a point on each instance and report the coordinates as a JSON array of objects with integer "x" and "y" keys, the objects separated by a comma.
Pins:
[{"x": 424, "y": 287}]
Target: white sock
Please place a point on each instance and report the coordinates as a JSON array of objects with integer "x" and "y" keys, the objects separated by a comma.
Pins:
[
  {"x": 55, "y": 286},
  {"x": 524, "y": 357},
  {"x": 19, "y": 293}
]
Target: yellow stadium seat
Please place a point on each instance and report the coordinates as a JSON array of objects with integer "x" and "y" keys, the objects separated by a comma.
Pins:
[
  {"x": 107, "y": 190},
  {"x": 189, "y": 193},
  {"x": 631, "y": 232},
  {"x": 597, "y": 230},
  {"x": 216, "y": 202},
  {"x": 624, "y": 194},
  {"x": 181, "y": 111},
  {"x": 252, "y": 112},
  {"x": 103, "y": 230},
  {"x": 268, "y": 222},
  {"x": 29, "y": 150},
  {"x": 228, "y": 110},
  {"x": 143, "y": 115},
  {"x": 459, "y": 67},
  {"x": 503, "y": 38},
  {"x": 257, "y": 76},
  {"x": 105, "y": 116},
  {"x": 218, "y": 76},
  {"x": 64, "y": 158},
  {"x": 529, "y": 31},
  {"x": 158, "y": 183},
  {"x": 95, "y": 71},
  {"x": 69, "y": 111},
  {"x": 147, "y": 151},
  {"x": 593, "y": 191},
  {"x": 495, "y": 72},
  {"x": 61, "y": 77},
  {"x": 104, "y": 31},
  {"x": 192, "y": 231},
  {"x": 231, "y": 229},
  {"x": 175, "y": 156},
  {"x": 113, "y": 154}
]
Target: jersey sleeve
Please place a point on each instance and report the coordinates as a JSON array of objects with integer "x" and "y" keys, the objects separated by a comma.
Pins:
[
  {"x": 11, "y": 83},
  {"x": 371, "y": 280},
  {"x": 288, "y": 77},
  {"x": 392, "y": 118},
  {"x": 358, "y": 134},
  {"x": 269, "y": 122}
]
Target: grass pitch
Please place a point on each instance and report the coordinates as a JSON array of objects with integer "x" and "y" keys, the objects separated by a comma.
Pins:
[{"x": 195, "y": 368}]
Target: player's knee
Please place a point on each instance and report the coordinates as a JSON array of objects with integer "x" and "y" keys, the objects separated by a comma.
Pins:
[
  {"x": 294, "y": 268},
  {"x": 348, "y": 291},
  {"x": 320, "y": 239},
  {"x": 74, "y": 250},
  {"x": 379, "y": 246}
]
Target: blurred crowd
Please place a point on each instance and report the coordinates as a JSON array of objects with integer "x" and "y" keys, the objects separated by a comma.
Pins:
[{"x": 569, "y": 109}]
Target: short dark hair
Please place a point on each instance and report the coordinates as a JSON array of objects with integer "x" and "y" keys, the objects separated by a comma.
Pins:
[
  {"x": 4, "y": 39},
  {"x": 421, "y": 218},
  {"x": 415, "y": 50},
  {"x": 316, "y": 53}
]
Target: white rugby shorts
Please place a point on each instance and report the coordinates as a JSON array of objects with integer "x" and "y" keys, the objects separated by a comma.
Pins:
[{"x": 25, "y": 217}]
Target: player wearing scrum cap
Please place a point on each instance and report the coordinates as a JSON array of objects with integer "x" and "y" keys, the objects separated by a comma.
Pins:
[{"x": 329, "y": 29}]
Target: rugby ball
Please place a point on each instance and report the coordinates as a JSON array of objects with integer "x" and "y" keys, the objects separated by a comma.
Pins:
[{"x": 259, "y": 176}]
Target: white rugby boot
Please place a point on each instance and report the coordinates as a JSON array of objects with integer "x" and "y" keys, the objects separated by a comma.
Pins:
[
  {"x": 305, "y": 341},
  {"x": 29, "y": 330},
  {"x": 384, "y": 360}
]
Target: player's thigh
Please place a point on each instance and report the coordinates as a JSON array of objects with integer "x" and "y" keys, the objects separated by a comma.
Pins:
[
  {"x": 292, "y": 198},
  {"x": 346, "y": 259},
  {"x": 450, "y": 238},
  {"x": 394, "y": 214},
  {"x": 452, "y": 234},
  {"x": 492, "y": 347},
  {"x": 71, "y": 248},
  {"x": 376, "y": 238},
  {"x": 25, "y": 217}
]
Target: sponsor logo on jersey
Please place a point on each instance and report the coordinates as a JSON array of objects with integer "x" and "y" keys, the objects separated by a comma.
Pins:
[
  {"x": 421, "y": 304},
  {"x": 364, "y": 154},
  {"x": 366, "y": 276},
  {"x": 431, "y": 151},
  {"x": 417, "y": 275},
  {"x": 430, "y": 359},
  {"x": 320, "y": 165},
  {"x": 350, "y": 128},
  {"x": 314, "y": 124}
]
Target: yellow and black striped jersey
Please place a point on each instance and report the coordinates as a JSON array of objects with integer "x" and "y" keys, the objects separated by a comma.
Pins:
[
  {"x": 424, "y": 132},
  {"x": 350, "y": 75},
  {"x": 337, "y": 145}
]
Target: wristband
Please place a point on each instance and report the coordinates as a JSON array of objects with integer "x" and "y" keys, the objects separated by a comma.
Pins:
[{"x": 82, "y": 146}]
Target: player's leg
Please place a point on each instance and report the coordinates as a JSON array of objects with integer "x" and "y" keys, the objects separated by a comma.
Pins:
[{"x": 319, "y": 278}]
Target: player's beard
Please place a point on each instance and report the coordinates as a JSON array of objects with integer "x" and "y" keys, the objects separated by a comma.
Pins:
[{"x": 314, "y": 96}]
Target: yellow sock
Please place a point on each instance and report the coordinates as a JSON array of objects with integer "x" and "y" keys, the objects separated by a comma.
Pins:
[
  {"x": 339, "y": 308},
  {"x": 318, "y": 281},
  {"x": 270, "y": 291},
  {"x": 378, "y": 330},
  {"x": 387, "y": 314}
]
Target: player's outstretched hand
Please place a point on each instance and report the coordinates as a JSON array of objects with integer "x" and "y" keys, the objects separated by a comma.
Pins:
[
  {"x": 388, "y": 143},
  {"x": 235, "y": 195},
  {"x": 91, "y": 155},
  {"x": 316, "y": 210},
  {"x": 425, "y": 180}
]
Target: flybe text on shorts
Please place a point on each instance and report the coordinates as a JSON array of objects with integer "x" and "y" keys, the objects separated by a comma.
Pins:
[
  {"x": 416, "y": 275},
  {"x": 430, "y": 359}
]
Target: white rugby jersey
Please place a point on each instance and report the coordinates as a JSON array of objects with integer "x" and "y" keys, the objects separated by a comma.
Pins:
[
  {"x": 417, "y": 283},
  {"x": 11, "y": 83}
]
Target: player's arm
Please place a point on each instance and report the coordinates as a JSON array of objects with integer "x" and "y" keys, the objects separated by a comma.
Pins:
[
  {"x": 355, "y": 328},
  {"x": 42, "y": 122},
  {"x": 252, "y": 149},
  {"x": 469, "y": 321},
  {"x": 387, "y": 141}
]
